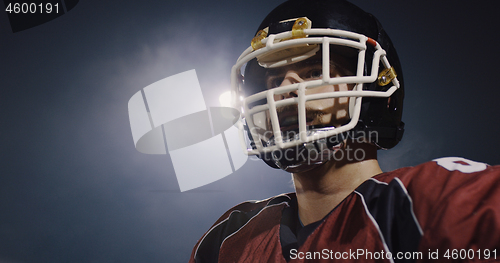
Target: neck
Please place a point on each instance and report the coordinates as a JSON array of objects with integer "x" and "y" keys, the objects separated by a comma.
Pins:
[{"x": 320, "y": 190}]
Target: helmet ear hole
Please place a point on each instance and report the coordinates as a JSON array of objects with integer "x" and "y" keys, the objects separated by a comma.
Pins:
[{"x": 392, "y": 105}]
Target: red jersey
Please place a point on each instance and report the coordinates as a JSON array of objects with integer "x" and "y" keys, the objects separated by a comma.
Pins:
[{"x": 444, "y": 210}]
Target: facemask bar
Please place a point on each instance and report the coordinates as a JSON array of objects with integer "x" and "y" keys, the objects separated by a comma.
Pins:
[{"x": 325, "y": 38}]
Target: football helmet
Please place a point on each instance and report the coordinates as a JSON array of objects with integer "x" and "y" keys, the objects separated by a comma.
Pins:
[{"x": 352, "y": 72}]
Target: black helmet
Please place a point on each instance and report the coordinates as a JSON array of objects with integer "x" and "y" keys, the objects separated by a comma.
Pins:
[{"x": 298, "y": 31}]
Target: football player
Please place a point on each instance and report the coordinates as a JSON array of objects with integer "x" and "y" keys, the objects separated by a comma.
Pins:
[{"x": 321, "y": 90}]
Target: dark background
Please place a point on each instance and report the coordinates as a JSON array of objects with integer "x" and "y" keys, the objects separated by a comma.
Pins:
[{"x": 74, "y": 189}]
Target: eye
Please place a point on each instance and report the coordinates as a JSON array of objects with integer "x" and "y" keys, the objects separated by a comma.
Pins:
[
  {"x": 315, "y": 74},
  {"x": 274, "y": 82}
]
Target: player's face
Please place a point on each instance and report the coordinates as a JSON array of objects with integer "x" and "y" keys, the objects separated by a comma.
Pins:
[{"x": 319, "y": 113}]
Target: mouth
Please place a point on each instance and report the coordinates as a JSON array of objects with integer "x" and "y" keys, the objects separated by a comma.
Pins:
[{"x": 290, "y": 121}]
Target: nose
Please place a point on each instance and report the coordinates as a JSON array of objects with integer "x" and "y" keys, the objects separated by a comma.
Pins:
[{"x": 291, "y": 77}]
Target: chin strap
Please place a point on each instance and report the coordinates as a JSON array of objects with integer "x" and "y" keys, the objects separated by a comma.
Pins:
[
  {"x": 309, "y": 155},
  {"x": 306, "y": 156},
  {"x": 375, "y": 133}
]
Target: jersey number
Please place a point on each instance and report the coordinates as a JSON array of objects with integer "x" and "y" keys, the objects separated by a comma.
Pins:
[{"x": 460, "y": 164}]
